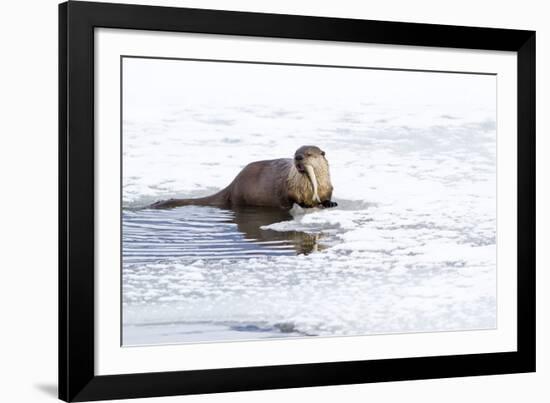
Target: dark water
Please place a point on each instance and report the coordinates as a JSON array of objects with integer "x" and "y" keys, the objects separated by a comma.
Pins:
[{"x": 208, "y": 233}]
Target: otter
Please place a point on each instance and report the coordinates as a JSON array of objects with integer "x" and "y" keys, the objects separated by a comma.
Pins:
[{"x": 280, "y": 183}]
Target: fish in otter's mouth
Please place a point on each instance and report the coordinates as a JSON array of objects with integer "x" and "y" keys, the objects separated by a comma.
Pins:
[
  {"x": 313, "y": 179},
  {"x": 310, "y": 172}
]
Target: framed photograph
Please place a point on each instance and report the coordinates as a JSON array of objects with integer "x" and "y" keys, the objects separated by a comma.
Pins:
[{"x": 257, "y": 201}]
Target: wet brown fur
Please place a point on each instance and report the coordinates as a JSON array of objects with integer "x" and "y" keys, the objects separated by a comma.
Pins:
[{"x": 271, "y": 183}]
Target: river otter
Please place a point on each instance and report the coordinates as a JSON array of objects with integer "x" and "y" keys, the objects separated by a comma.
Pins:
[{"x": 280, "y": 183}]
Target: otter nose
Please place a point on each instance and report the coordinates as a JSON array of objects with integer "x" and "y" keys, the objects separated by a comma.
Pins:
[{"x": 299, "y": 157}]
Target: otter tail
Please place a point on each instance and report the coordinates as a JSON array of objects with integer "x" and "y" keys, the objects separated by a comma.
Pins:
[{"x": 220, "y": 199}]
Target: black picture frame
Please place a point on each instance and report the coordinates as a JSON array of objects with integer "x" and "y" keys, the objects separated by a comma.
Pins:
[{"x": 77, "y": 379}]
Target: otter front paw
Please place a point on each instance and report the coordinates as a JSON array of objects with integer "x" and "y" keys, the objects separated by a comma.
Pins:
[{"x": 329, "y": 203}]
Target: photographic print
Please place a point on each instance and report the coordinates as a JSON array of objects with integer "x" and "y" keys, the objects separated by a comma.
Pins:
[
  {"x": 252, "y": 201},
  {"x": 265, "y": 200}
]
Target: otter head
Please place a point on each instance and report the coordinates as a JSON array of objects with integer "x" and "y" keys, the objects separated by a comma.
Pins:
[
  {"x": 311, "y": 161},
  {"x": 309, "y": 156}
]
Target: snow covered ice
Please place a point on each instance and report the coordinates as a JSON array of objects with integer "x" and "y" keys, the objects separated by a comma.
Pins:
[{"x": 411, "y": 246}]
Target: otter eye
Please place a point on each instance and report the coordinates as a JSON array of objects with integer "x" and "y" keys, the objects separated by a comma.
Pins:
[
  {"x": 323, "y": 153},
  {"x": 308, "y": 154}
]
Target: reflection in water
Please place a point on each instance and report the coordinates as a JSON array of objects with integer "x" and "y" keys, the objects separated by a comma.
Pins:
[
  {"x": 209, "y": 233},
  {"x": 249, "y": 221}
]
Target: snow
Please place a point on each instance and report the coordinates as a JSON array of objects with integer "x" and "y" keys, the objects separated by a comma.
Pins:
[{"x": 411, "y": 246}]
